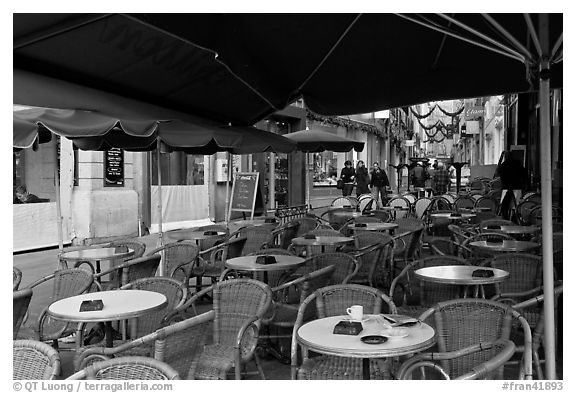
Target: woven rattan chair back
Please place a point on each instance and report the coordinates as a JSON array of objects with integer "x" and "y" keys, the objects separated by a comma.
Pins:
[
  {"x": 34, "y": 360},
  {"x": 136, "y": 245},
  {"x": 235, "y": 302},
  {"x": 305, "y": 225},
  {"x": 256, "y": 238},
  {"x": 487, "y": 202},
  {"x": 20, "y": 303},
  {"x": 213, "y": 240},
  {"x": 367, "y": 204},
  {"x": 142, "y": 267},
  {"x": 345, "y": 266},
  {"x": 421, "y": 293},
  {"x": 343, "y": 201},
  {"x": 421, "y": 206},
  {"x": 411, "y": 198},
  {"x": 374, "y": 263},
  {"x": 461, "y": 323},
  {"x": 525, "y": 270},
  {"x": 382, "y": 215},
  {"x": 178, "y": 259},
  {"x": 127, "y": 368},
  {"x": 175, "y": 294},
  {"x": 464, "y": 202},
  {"x": 16, "y": 278},
  {"x": 284, "y": 234},
  {"x": 408, "y": 224},
  {"x": 459, "y": 234},
  {"x": 402, "y": 202},
  {"x": 524, "y": 208}
]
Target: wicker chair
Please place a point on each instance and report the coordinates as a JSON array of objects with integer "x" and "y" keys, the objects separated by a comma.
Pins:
[
  {"x": 238, "y": 307},
  {"x": 211, "y": 263},
  {"x": 524, "y": 209},
  {"x": 487, "y": 202},
  {"x": 367, "y": 204},
  {"x": 127, "y": 368},
  {"x": 461, "y": 323},
  {"x": 66, "y": 283},
  {"x": 408, "y": 245},
  {"x": 373, "y": 250},
  {"x": 421, "y": 206},
  {"x": 34, "y": 360},
  {"x": 449, "y": 247},
  {"x": 130, "y": 270},
  {"x": 175, "y": 294},
  {"x": 413, "y": 296},
  {"x": 257, "y": 238},
  {"x": 490, "y": 359},
  {"x": 177, "y": 343},
  {"x": 525, "y": 280},
  {"x": 345, "y": 266},
  {"x": 287, "y": 298},
  {"x": 402, "y": 202},
  {"x": 178, "y": 259},
  {"x": 464, "y": 202},
  {"x": 283, "y": 235},
  {"x": 331, "y": 301},
  {"x": 16, "y": 278},
  {"x": 345, "y": 201},
  {"x": 533, "y": 312},
  {"x": 20, "y": 302},
  {"x": 382, "y": 215}
]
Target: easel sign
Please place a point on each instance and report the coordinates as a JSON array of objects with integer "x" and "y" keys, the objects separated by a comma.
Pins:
[{"x": 244, "y": 189}]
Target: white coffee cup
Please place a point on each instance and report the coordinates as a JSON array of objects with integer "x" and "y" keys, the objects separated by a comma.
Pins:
[{"x": 356, "y": 312}]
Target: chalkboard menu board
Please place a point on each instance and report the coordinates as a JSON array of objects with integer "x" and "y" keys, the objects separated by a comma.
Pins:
[
  {"x": 114, "y": 168},
  {"x": 244, "y": 193}
]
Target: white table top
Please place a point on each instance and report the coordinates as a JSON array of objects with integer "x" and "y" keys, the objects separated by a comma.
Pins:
[
  {"x": 518, "y": 229},
  {"x": 459, "y": 275},
  {"x": 318, "y": 335},
  {"x": 96, "y": 253},
  {"x": 463, "y": 216},
  {"x": 505, "y": 245},
  {"x": 322, "y": 241},
  {"x": 374, "y": 226},
  {"x": 118, "y": 304},
  {"x": 248, "y": 263}
]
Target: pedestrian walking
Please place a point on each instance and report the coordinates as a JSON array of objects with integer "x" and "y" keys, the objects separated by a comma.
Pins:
[
  {"x": 347, "y": 175},
  {"x": 514, "y": 180},
  {"x": 378, "y": 183},
  {"x": 441, "y": 179},
  {"x": 362, "y": 179}
]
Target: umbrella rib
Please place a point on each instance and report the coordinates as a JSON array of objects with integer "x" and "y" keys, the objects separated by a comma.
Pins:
[
  {"x": 533, "y": 34},
  {"x": 454, "y": 35},
  {"x": 509, "y": 36},
  {"x": 186, "y": 41},
  {"x": 557, "y": 45},
  {"x": 57, "y": 30},
  {"x": 488, "y": 39},
  {"x": 325, "y": 58}
]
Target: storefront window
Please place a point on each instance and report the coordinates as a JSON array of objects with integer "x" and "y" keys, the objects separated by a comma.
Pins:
[
  {"x": 325, "y": 168},
  {"x": 178, "y": 169}
]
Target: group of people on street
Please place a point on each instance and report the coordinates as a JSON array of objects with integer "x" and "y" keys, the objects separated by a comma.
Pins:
[{"x": 375, "y": 182}]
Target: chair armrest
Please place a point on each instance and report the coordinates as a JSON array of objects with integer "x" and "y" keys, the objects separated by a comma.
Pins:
[
  {"x": 41, "y": 280},
  {"x": 479, "y": 371}
]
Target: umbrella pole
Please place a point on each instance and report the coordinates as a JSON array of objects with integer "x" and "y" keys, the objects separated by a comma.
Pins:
[
  {"x": 159, "y": 207},
  {"x": 228, "y": 173},
  {"x": 546, "y": 190},
  {"x": 307, "y": 182},
  {"x": 58, "y": 207}
]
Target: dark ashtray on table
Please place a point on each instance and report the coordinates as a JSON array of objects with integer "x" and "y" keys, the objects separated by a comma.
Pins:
[
  {"x": 494, "y": 241},
  {"x": 374, "y": 339},
  {"x": 269, "y": 221},
  {"x": 493, "y": 227},
  {"x": 349, "y": 328},
  {"x": 91, "y": 305},
  {"x": 309, "y": 237},
  {"x": 360, "y": 225},
  {"x": 265, "y": 260},
  {"x": 399, "y": 207},
  {"x": 455, "y": 214},
  {"x": 482, "y": 273},
  {"x": 210, "y": 233}
]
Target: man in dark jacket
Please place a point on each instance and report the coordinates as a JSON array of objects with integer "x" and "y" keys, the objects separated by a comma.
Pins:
[
  {"x": 347, "y": 176},
  {"x": 514, "y": 178},
  {"x": 378, "y": 183}
]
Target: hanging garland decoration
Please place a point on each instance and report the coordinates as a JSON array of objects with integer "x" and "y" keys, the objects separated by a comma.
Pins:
[
  {"x": 454, "y": 114},
  {"x": 419, "y": 116},
  {"x": 429, "y": 127},
  {"x": 342, "y": 122}
]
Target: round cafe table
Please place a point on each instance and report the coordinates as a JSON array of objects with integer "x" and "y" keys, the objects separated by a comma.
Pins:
[
  {"x": 118, "y": 305},
  {"x": 374, "y": 226},
  {"x": 318, "y": 336},
  {"x": 505, "y": 246},
  {"x": 460, "y": 275},
  {"x": 321, "y": 241},
  {"x": 248, "y": 263},
  {"x": 95, "y": 255},
  {"x": 517, "y": 231}
]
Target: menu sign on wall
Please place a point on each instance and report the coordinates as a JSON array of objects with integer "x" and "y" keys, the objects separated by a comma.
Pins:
[{"x": 114, "y": 168}]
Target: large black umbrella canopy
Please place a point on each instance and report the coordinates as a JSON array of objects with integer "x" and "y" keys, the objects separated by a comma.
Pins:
[
  {"x": 95, "y": 131},
  {"x": 239, "y": 68},
  {"x": 315, "y": 140}
]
